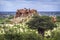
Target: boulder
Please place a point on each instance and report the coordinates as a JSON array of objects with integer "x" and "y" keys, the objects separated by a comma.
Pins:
[{"x": 25, "y": 12}]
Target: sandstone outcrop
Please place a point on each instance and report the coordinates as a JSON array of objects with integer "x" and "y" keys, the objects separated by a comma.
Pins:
[
  {"x": 23, "y": 15},
  {"x": 54, "y": 19},
  {"x": 25, "y": 12}
]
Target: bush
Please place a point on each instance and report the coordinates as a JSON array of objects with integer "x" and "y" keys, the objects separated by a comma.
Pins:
[
  {"x": 1, "y": 37},
  {"x": 15, "y": 33},
  {"x": 56, "y": 35},
  {"x": 41, "y": 23},
  {"x": 23, "y": 36},
  {"x": 58, "y": 18}
]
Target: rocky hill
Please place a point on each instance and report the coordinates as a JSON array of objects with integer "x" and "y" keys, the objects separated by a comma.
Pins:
[{"x": 23, "y": 15}]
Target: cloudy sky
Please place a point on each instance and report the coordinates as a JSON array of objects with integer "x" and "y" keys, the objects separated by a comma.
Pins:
[{"x": 40, "y": 5}]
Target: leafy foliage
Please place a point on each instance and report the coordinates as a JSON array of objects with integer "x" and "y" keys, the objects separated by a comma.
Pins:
[
  {"x": 42, "y": 22},
  {"x": 58, "y": 18},
  {"x": 27, "y": 32}
]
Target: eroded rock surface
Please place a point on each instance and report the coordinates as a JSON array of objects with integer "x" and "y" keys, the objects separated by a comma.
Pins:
[
  {"x": 25, "y": 12},
  {"x": 23, "y": 15}
]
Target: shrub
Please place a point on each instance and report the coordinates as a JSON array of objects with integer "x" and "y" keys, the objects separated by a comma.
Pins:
[
  {"x": 23, "y": 36},
  {"x": 58, "y": 18},
  {"x": 1, "y": 37},
  {"x": 42, "y": 23},
  {"x": 56, "y": 35}
]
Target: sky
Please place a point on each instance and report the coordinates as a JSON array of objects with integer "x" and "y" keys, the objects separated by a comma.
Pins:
[{"x": 40, "y": 5}]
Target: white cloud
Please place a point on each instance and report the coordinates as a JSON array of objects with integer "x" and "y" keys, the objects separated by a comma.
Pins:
[{"x": 42, "y": 6}]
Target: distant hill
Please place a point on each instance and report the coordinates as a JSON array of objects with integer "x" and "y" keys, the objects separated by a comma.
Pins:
[
  {"x": 57, "y": 13},
  {"x": 7, "y": 13},
  {"x": 40, "y": 12}
]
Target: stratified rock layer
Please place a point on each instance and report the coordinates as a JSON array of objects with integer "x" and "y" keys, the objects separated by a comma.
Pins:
[
  {"x": 25, "y": 12},
  {"x": 23, "y": 15}
]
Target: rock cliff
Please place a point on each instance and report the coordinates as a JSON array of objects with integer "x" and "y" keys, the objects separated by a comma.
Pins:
[
  {"x": 23, "y": 15},
  {"x": 25, "y": 12}
]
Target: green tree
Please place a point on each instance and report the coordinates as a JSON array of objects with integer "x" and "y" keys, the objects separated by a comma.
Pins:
[
  {"x": 58, "y": 18},
  {"x": 42, "y": 23}
]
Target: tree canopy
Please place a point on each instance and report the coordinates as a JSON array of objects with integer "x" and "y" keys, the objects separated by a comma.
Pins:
[{"x": 41, "y": 23}]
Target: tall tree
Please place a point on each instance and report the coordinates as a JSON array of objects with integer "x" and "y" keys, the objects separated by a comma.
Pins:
[{"x": 42, "y": 23}]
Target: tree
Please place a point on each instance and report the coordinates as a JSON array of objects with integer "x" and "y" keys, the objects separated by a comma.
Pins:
[{"x": 42, "y": 23}]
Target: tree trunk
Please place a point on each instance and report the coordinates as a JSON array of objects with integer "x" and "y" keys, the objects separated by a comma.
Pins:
[{"x": 41, "y": 31}]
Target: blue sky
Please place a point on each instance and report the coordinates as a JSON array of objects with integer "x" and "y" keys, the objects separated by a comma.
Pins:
[{"x": 40, "y": 5}]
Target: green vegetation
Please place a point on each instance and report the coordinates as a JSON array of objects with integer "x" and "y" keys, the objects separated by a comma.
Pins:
[
  {"x": 10, "y": 17},
  {"x": 42, "y": 23},
  {"x": 30, "y": 30},
  {"x": 58, "y": 18},
  {"x": 2, "y": 20},
  {"x": 5, "y": 20}
]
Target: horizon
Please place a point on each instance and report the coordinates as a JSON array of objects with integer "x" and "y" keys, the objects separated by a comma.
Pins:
[{"x": 37, "y": 11}]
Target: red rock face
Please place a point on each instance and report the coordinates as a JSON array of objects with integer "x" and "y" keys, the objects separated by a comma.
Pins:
[
  {"x": 25, "y": 12},
  {"x": 54, "y": 19}
]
